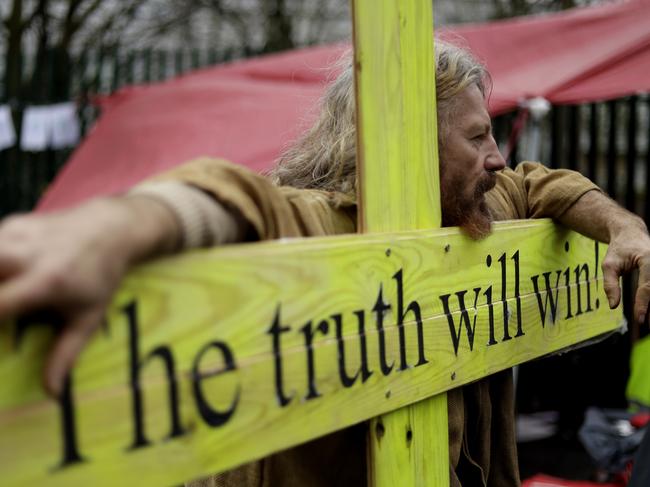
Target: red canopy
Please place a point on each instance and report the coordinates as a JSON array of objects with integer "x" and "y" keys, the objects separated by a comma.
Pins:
[
  {"x": 581, "y": 55},
  {"x": 249, "y": 111}
]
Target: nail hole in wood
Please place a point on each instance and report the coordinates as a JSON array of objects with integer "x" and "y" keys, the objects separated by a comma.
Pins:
[{"x": 379, "y": 430}]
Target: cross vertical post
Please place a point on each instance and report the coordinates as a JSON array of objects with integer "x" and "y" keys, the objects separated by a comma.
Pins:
[{"x": 399, "y": 189}]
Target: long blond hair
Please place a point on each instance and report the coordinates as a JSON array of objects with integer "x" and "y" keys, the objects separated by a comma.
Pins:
[{"x": 325, "y": 156}]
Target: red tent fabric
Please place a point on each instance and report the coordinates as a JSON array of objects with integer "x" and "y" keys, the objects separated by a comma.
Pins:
[
  {"x": 249, "y": 111},
  {"x": 541, "y": 480},
  {"x": 582, "y": 55}
]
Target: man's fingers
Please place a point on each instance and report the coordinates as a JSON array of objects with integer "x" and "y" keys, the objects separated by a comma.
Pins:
[
  {"x": 611, "y": 284},
  {"x": 642, "y": 294},
  {"x": 12, "y": 261},
  {"x": 67, "y": 347},
  {"x": 22, "y": 293}
]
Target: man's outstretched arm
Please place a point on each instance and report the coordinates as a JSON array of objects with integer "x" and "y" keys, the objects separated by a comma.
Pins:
[
  {"x": 71, "y": 262},
  {"x": 573, "y": 200},
  {"x": 597, "y": 216}
]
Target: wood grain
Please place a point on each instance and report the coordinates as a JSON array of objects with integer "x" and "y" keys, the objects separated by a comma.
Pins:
[
  {"x": 396, "y": 128},
  {"x": 231, "y": 295}
]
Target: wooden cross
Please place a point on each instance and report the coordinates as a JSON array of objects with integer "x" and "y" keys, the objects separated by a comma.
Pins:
[{"x": 219, "y": 357}]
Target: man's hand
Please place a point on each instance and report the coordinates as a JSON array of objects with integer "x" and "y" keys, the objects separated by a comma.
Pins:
[
  {"x": 628, "y": 250},
  {"x": 71, "y": 262},
  {"x": 598, "y": 217}
]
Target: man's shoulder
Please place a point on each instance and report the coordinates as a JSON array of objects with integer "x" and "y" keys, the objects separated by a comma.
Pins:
[
  {"x": 507, "y": 200},
  {"x": 333, "y": 199}
]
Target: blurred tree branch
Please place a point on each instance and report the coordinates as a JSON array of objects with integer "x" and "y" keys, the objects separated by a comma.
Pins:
[{"x": 56, "y": 32}]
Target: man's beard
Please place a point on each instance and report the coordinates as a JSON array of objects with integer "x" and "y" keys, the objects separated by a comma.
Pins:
[{"x": 471, "y": 214}]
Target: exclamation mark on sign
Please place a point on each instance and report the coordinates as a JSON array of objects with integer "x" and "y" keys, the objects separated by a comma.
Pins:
[{"x": 596, "y": 274}]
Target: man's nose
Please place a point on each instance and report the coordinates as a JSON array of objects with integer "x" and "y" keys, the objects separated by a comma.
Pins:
[{"x": 494, "y": 161}]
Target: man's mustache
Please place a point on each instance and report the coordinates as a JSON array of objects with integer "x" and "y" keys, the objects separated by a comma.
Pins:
[{"x": 485, "y": 184}]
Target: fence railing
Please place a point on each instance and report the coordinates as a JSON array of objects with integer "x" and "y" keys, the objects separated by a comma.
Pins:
[{"x": 105, "y": 71}]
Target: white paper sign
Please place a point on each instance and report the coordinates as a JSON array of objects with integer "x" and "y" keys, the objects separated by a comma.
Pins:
[
  {"x": 51, "y": 126},
  {"x": 33, "y": 136},
  {"x": 64, "y": 125}
]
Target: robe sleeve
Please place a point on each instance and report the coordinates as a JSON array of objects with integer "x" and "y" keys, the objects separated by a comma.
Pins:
[
  {"x": 532, "y": 190},
  {"x": 271, "y": 211}
]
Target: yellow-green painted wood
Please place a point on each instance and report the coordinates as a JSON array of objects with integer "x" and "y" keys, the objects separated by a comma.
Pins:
[
  {"x": 397, "y": 162},
  {"x": 231, "y": 295},
  {"x": 410, "y": 447},
  {"x": 396, "y": 115}
]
